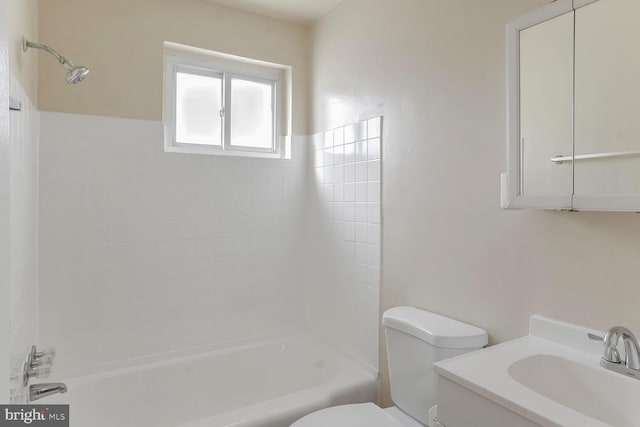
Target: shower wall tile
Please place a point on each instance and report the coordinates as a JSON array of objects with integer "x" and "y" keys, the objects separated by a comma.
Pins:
[
  {"x": 345, "y": 234},
  {"x": 23, "y": 249},
  {"x": 143, "y": 252}
]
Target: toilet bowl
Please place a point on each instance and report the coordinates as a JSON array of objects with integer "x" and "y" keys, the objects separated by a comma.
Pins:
[
  {"x": 360, "y": 415},
  {"x": 416, "y": 339}
]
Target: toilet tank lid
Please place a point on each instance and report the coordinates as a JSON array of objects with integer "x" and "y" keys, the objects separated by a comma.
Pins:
[{"x": 434, "y": 329}]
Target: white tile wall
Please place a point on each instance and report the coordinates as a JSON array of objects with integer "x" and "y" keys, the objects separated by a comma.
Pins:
[
  {"x": 143, "y": 251},
  {"x": 23, "y": 256},
  {"x": 343, "y": 299}
]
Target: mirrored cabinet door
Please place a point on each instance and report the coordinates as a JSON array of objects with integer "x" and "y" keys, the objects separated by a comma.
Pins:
[
  {"x": 546, "y": 107},
  {"x": 574, "y": 107},
  {"x": 607, "y": 104}
]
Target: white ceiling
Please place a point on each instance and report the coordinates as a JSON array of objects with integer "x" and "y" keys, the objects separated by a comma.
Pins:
[{"x": 288, "y": 10}]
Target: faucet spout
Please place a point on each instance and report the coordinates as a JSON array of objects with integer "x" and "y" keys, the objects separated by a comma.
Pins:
[
  {"x": 39, "y": 391},
  {"x": 631, "y": 347}
]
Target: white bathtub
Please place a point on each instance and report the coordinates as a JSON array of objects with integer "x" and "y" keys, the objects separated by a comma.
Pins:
[{"x": 262, "y": 384}]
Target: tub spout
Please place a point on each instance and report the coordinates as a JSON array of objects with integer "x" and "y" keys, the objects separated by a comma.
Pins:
[{"x": 38, "y": 391}]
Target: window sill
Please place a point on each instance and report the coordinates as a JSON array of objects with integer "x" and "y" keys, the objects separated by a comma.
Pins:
[{"x": 285, "y": 151}]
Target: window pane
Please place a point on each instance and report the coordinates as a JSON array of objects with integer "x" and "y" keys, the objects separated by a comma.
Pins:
[
  {"x": 198, "y": 105},
  {"x": 251, "y": 114}
]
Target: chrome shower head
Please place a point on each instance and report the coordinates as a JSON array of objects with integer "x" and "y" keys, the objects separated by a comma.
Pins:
[{"x": 75, "y": 73}]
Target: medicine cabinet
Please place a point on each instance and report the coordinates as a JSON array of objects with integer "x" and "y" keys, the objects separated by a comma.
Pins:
[{"x": 574, "y": 107}]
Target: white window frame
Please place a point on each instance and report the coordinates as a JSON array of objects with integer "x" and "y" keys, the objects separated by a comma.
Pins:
[{"x": 186, "y": 59}]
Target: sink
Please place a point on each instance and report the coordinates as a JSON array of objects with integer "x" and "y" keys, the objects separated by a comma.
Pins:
[
  {"x": 551, "y": 377},
  {"x": 590, "y": 390}
]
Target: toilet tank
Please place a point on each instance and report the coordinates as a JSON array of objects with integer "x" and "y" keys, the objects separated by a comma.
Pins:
[{"x": 416, "y": 339}]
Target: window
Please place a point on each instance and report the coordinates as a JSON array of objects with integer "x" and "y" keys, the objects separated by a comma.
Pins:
[{"x": 221, "y": 104}]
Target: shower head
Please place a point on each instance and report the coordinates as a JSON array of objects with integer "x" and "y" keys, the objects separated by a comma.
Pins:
[{"x": 75, "y": 73}]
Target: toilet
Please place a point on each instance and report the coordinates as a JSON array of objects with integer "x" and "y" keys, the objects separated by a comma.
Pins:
[{"x": 416, "y": 339}]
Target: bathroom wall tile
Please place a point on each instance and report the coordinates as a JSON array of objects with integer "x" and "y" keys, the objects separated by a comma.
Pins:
[
  {"x": 349, "y": 134},
  {"x": 338, "y": 137},
  {"x": 190, "y": 239},
  {"x": 373, "y": 213},
  {"x": 361, "y": 130},
  {"x": 338, "y": 193},
  {"x": 373, "y": 234},
  {"x": 373, "y": 170},
  {"x": 338, "y": 174},
  {"x": 373, "y": 127},
  {"x": 161, "y": 244},
  {"x": 350, "y": 153},
  {"x": 328, "y": 139},
  {"x": 362, "y": 232},
  {"x": 362, "y": 189},
  {"x": 328, "y": 157},
  {"x": 349, "y": 192},
  {"x": 350, "y": 173},
  {"x": 373, "y": 192},
  {"x": 361, "y": 172},
  {"x": 373, "y": 276},
  {"x": 21, "y": 191},
  {"x": 361, "y": 151},
  {"x": 361, "y": 212},
  {"x": 349, "y": 211},
  {"x": 373, "y": 149},
  {"x": 347, "y": 243},
  {"x": 349, "y": 231}
]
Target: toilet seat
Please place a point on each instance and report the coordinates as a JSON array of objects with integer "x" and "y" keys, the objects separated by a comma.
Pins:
[{"x": 361, "y": 415}]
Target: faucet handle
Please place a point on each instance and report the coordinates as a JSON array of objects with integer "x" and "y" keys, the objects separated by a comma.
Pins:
[
  {"x": 38, "y": 364},
  {"x": 40, "y": 372},
  {"x": 594, "y": 337},
  {"x": 47, "y": 354}
]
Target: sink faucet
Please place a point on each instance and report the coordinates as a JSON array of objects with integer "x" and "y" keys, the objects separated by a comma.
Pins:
[
  {"x": 611, "y": 358},
  {"x": 631, "y": 347},
  {"x": 38, "y": 391}
]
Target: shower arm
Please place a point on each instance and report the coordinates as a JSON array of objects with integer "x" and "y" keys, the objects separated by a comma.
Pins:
[{"x": 27, "y": 44}]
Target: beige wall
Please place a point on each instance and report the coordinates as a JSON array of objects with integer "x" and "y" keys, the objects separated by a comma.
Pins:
[
  {"x": 23, "y": 21},
  {"x": 121, "y": 41},
  {"x": 437, "y": 70}
]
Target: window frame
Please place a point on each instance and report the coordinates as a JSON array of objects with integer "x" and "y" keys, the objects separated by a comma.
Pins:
[
  {"x": 185, "y": 59},
  {"x": 227, "y": 142},
  {"x": 195, "y": 71}
]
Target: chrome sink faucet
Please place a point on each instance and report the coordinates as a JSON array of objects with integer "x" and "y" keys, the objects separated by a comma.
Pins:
[
  {"x": 631, "y": 347},
  {"x": 611, "y": 358}
]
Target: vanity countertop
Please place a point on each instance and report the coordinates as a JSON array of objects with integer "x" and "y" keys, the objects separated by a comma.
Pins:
[{"x": 552, "y": 377}]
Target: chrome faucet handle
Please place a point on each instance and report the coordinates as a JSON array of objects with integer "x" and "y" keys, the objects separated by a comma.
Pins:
[
  {"x": 38, "y": 364},
  {"x": 40, "y": 372},
  {"x": 594, "y": 337},
  {"x": 46, "y": 354}
]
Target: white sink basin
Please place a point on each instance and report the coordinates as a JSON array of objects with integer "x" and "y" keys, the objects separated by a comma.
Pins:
[
  {"x": 551, "y": 377},
  {"x": 590, "y": 390}
]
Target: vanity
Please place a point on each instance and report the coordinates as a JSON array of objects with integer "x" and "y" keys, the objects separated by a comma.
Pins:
[
  {"x": 552, "y": 377},
  {"x": 573, "y": 109}
]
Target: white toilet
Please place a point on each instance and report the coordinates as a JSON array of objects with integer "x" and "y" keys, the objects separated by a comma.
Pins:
[{"x": 416, "y": 339}]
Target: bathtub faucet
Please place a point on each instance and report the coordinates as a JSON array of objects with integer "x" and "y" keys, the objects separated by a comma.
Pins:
[{"x": 38, "y": 391}]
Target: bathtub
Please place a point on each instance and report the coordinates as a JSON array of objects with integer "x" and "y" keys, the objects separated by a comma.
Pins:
[{"x": 270, "y": 383}]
